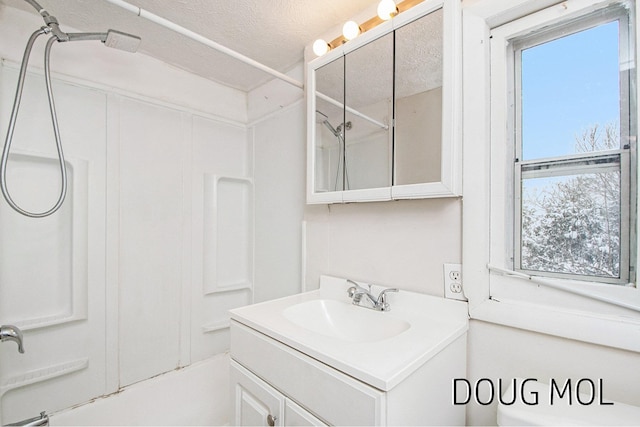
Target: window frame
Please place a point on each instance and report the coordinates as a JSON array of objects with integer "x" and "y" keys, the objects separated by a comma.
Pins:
[
  {"x": 582, "y": 163},
  {"x": 600, "y": 313}
]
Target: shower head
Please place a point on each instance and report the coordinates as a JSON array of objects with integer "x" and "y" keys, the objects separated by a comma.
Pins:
[
  {"x": 112, "y": 38},
  {"x": 331, "y": 128},
  {"x": 122, "y": 41}
]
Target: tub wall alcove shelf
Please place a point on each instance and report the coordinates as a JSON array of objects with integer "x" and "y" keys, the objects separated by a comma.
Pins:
[
  {"x": 56, "y": 292},
  {"x": 227, "y": 274}
]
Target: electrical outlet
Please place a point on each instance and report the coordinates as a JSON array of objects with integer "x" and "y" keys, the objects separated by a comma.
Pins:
[{"x": 453, "y": 282}]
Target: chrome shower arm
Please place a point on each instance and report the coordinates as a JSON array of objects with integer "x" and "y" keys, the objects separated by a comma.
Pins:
[
  {"x": 72, "y": 37},
  {"x": 111, "y": 38}
]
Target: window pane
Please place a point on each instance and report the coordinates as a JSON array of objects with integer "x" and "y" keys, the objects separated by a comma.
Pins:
[
  {"x": 570, "y": 85},
  {"x": 571, "y": 224}
]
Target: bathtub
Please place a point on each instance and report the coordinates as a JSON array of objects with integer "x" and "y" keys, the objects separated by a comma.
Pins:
[{"x": 195, "y": 395}]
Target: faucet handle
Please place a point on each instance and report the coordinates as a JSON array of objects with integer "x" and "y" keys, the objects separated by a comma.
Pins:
[
  {"x": 355, "y": 288},
  {"x": 381, "y": 303},
  {"x": 12, "y": 333}
]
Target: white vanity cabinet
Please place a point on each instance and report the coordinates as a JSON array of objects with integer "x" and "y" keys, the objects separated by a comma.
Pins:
[
  {"x": 256, "y": 403},
  {"x": 288, "y": 374},
  {"x": 328, "y": 394}
]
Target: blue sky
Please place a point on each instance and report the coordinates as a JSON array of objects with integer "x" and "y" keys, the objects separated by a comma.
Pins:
[{"x": 568, "y": 85}]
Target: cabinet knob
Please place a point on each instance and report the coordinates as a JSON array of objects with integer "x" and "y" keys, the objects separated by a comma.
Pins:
[{"x": 271, "y": 420}]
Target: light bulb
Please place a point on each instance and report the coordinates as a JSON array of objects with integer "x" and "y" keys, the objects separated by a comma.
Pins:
[
  {"x": 350, "y": 30},
  {"x": 320, "y": 47},
  {"x": 386, "y": 9}
]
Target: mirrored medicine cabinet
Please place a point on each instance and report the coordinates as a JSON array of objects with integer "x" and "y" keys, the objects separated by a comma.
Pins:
[{"x": 383, "y": 111}]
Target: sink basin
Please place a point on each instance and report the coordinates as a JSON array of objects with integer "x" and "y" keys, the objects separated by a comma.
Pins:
[
  {"x": 378, "y": 348},
  {"x": 344, "y": 321}
]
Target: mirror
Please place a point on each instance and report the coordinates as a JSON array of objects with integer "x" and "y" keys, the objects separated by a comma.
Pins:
[
  {"x": 369, "y": 96},
  {"x": 329, "y": 116},
  {"x": 418, "y": 100},
  {"x": 353, "y": 143},
  {"x": 377, "y": 110}
]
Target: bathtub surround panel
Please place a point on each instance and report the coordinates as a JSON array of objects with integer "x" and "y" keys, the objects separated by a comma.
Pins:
[
  {"x": 234, "y": 255},
  {"x": 227, "y": 259},
  {"x": 45, "y": 295},
  {"x": 180, "y": 219},
  {"x": 56, "y": 292},
  {"x": 139, "y": 137},
  {"x": 221, "y": 211},
  {"x": 228, "y": 233},
  {"x": 211, "y": 333},
  {"x": 279, "y": 170},
  {"x": 52, "y": 285},
  {"x": 150, "y": 239}
]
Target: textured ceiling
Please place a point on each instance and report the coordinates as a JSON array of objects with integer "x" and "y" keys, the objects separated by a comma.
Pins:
[{"x": 273, "y": 32}]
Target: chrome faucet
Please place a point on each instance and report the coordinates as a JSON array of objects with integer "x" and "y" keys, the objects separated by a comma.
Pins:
[
  {"x": 12, "y": 333},
  {"x": 356, "y": 292}
]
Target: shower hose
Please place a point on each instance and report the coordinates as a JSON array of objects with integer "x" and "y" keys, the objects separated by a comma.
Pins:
[{"x": 12, "y": 125}]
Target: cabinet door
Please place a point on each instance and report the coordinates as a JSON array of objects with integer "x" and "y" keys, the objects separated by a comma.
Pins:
[
  {"x": 255, "y": 403},
  {"x": 296, "y": 415}
]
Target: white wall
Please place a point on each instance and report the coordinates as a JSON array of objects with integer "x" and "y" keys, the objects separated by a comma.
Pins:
[
  {"x": 279, "y": 159},
  {"x": 402, "y": 243},
  {"x": 132, "y": 291}
]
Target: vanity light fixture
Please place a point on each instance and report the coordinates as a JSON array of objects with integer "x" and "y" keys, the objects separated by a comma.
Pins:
[
  {"x": 387, "y": 9},
  {"x": 320, "y": 47},
  {"x": 350, "y": 30}
]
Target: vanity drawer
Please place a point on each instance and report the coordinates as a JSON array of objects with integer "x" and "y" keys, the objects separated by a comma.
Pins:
[{"x": 331, "y": 395}]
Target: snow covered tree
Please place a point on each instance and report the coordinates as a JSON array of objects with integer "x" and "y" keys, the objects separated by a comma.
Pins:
[{"x": 571, "y": 224}]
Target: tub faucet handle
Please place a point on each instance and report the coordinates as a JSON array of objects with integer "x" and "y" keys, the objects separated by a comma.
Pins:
[{"x": 12, "y": 333}]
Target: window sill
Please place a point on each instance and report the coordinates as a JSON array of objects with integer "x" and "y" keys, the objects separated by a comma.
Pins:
[{"x": 608, "y": 330}]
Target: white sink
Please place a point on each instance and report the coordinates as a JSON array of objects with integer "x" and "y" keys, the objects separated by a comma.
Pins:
[
  {"x": 344, "y": 321},
  {"x": 378, "y": 348}
]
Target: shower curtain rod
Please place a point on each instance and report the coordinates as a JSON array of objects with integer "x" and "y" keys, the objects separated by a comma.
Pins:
[{"x": 203, "y": 40}]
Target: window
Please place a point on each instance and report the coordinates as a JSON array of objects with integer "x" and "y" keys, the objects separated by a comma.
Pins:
[
  {"x": 573, "y": 132},
  {"x": 501, "y": 42}
]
